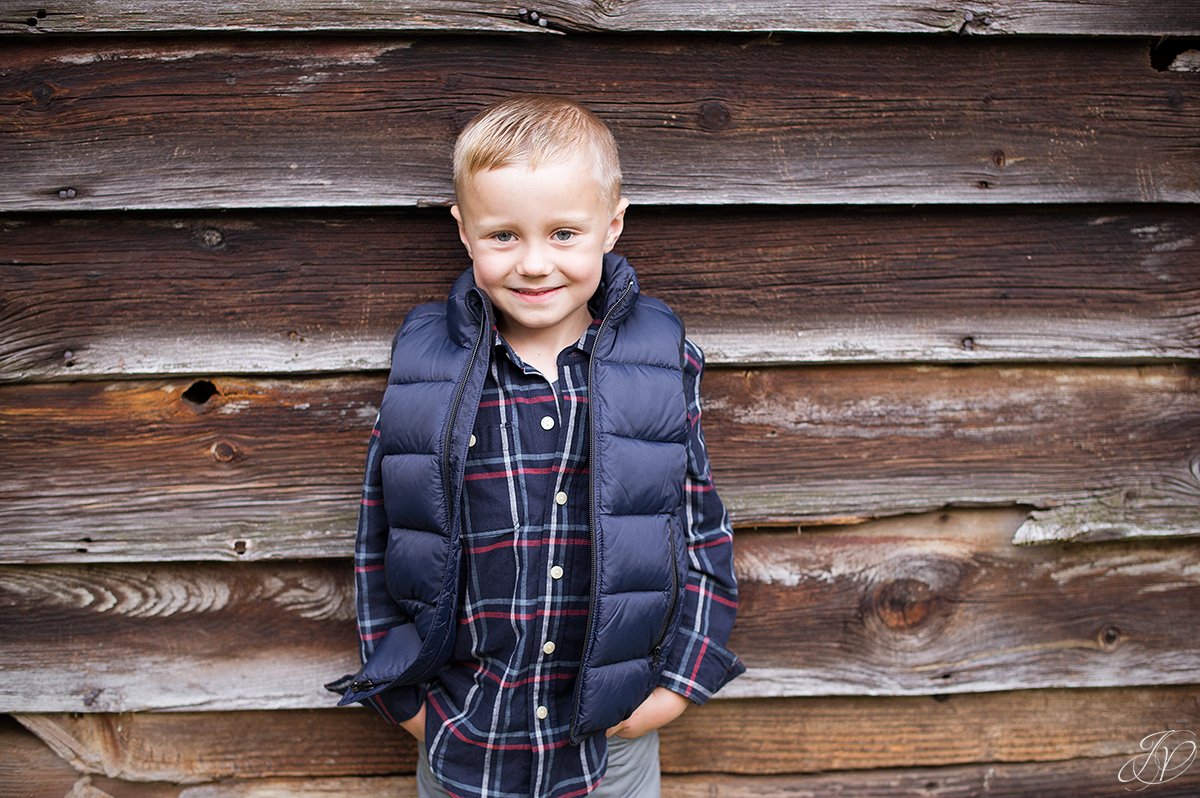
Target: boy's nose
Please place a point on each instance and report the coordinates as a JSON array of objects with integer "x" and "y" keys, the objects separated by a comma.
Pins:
[{"x": 534, "y": 262}]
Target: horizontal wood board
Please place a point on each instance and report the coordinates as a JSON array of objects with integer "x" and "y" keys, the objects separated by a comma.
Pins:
[
  {"x": 31, "y": 768},
  {"x": 246, "y": 469},
  {"x": 789, "y": 736},
  {"x": 309, "y": 291},
  {"x": 256, "y": 121},
  {"x": 975, "y": 17},
  {"x": 937, "y": 604}
]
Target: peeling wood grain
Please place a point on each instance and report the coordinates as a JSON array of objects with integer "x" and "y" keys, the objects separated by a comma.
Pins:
[
  {"x": 247, "y": 469},
  {"x": 938, "y": 605},
  {"x": 313, "y": 291},
  {"x": 855, "y": 736},
  {"x": 974, "y": 17},
  {"x": 284, "y": 121}
]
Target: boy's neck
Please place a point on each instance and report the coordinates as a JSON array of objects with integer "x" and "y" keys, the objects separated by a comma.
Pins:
[{"x": 541, "y": 347}]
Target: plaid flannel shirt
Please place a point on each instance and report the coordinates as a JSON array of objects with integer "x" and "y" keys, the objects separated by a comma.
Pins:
[{"x": 498, "y": 714}]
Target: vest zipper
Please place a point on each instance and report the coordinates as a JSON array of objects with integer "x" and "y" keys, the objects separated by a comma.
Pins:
[
  {"x": 484, "y": 326},
  {"x": 587, "y": 635},
  {"x": 671, "y": 607}
]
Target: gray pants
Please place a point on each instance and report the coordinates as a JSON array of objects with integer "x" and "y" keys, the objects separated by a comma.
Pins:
[{"x": 632, "y": 772}]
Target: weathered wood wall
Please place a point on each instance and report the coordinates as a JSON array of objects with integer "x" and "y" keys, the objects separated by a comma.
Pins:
[{"x": 944, "y": 261}]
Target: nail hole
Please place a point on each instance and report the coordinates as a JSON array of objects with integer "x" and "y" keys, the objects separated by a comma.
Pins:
[
  {"x": 199, "y": 392},
  {"x": 239, "y": 546}
]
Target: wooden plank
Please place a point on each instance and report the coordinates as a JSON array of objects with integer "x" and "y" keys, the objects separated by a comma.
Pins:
[
  {"x": 194, "y": 747},
  {"x": 922, "y": 606},
  {"x": 28, "y": 768},
  {"x": 1096, "y": 778},
  {"x": 247, "y": 469},
  {"x": 1094, "y": 452},
  {"x": 194, "y": 636},
  {"x": 980, "y": 17},
  {"x": 215, "y": 122},
  {"x": 1091, "y": 777},
  {"x": 899, "y": 607},
  {"x": 309, "y": 291},
  {"x": 850, "y": 734}
]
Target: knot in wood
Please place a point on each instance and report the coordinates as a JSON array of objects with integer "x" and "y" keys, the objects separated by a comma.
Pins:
[
  {"x": 211, "y": 237},
  {"x": 224, "y": 451},
  {"x": 714, "y": 115},
  {"x": 904, "y": 604},
  {"x": 913, "y": 599},
  {"x": 43, "y": 93}
]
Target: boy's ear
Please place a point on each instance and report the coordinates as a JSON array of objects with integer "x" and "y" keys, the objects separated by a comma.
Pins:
[
  {"x": 617, "y": 225},
  {"x": 462, "y": 232}
]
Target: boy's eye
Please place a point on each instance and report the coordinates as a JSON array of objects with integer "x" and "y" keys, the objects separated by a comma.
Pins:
[
  {"x": 563, "y": 235},
  {"x": 503, "y": 237}
]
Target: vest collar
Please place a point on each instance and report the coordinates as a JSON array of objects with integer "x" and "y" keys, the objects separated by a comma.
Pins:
[{"x": 465, "y": 305}]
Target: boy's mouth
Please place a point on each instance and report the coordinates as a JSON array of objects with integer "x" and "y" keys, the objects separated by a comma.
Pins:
[{"x": 535, "y": 292}]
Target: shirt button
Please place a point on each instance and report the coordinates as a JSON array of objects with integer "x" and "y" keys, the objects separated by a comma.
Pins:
[
  {"x": 547, "y": 422},
  {"x": 472, "y": 443},
  {"x": 542, "y": 712},
  {"x": 549, "y": 647},
  {"x": 556, "y": 572},
  {"x": 560, "y": 498}
]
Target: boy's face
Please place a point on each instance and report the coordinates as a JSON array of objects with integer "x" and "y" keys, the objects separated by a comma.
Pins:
[{"x": 537, "y": 238}]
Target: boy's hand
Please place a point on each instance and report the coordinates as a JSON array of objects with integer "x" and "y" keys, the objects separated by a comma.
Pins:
[
  {"x": 660, "y": 708},
  {"x": 416, "y": 725}
]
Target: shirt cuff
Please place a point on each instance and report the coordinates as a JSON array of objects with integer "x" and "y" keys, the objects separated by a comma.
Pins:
[
  {"x": 398, "y": 704},
  {"x": 698, "y": 667}
]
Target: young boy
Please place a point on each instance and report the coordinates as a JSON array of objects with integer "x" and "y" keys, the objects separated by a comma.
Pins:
[{"x": 541, "y": 555}]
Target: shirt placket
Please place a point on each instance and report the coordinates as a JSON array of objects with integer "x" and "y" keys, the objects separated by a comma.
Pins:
[{"x": 547, "y": 571}]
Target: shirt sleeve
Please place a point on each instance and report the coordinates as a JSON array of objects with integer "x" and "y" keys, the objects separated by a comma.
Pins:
[
  {"x": 699, "y": 663},
  {"x": 376, "y": 609}
]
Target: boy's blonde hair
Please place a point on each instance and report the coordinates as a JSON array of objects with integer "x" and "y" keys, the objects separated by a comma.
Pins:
[{"x": 536, "y": 129}]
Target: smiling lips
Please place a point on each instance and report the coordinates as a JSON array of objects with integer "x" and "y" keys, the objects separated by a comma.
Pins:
[{"x": 534, "y": 292}]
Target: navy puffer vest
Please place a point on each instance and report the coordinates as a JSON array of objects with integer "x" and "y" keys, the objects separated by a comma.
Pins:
[{"x": 637, "y": 426}]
